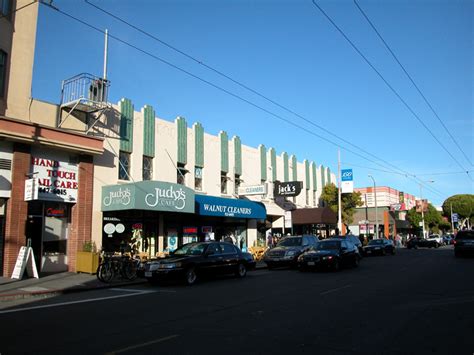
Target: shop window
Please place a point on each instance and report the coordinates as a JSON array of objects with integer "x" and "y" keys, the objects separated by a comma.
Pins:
[
  {"x": 181, "y": 174},
  {"x": 147, "y": 168},
  {"x": 3, "y": 72},
  {"x": 224, "y": 179},
  {"x": 198, "y": 178},
  {"x": 237, "y": 182},
  {"x": 124, "y": 166},
  {"x": 5, "y": 8}
]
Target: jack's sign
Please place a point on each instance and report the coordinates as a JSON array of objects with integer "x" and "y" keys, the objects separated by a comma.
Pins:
[{"x": 287, "y": 189}]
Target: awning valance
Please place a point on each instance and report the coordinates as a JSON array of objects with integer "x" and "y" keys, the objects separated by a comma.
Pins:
[
  {"x": 229, "y": 207},
  {"x": 323, "y": 215}
]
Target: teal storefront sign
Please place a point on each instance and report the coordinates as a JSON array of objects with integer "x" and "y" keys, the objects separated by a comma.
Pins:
[
  {"x": 148, "y": 195},
  {"x": 229, "y": 207}
]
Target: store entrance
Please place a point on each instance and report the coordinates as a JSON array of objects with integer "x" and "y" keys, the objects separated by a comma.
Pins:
[{"x": 33, "y": 232}]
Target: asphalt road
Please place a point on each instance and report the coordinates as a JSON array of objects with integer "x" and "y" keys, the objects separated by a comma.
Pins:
[{"x": 416, "y": 302}]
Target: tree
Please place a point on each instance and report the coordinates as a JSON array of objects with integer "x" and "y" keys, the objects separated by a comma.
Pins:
[
  {"x": 349, "y": 202},
  {"x": 432, "y": 218},
  {"x": 463, "y": 205}
]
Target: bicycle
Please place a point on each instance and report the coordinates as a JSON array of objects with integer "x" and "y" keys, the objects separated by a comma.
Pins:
[{"x": 117, "y": 265}]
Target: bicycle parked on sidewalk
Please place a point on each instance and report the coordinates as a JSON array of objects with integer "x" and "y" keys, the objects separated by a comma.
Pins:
[{"x": 123, "y": 266}]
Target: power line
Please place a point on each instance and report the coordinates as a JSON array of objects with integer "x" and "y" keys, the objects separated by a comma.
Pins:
[
  {"x": 239, "y": 83},
  {"x": 412, "y": 81},
  {"x": 389, "y": 85},
  {"x": 219, "y": 88}
]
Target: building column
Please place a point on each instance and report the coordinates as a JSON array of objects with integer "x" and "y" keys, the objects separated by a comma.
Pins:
[
  {"x": 17, "y": 208},
  {"x": 386, "y": 224},
  {"x": 251, "y": 233},
  {"x": 81, "y": 214}
]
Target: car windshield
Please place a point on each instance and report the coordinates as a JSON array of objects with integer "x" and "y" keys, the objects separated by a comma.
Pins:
[
  {"x": 328, "y": 245},
  {"x": 291, "y": 242},
  {"x": 465, "y": 235},
  {"x": 191, "y": 249},
  {"x": 376, "y": 242}
]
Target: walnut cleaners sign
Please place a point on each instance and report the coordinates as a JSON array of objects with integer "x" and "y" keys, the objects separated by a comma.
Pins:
[
  {"x": 148, "y": 195},
  {"x": 287, "y": 189}
]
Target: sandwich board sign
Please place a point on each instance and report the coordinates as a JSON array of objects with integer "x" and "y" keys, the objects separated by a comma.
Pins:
[{"x": 25, "y": 259}]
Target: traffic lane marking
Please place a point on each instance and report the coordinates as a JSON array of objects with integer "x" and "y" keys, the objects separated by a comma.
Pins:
[
  {"x": 335, "y": 290},
  {"x": 141, "y": 345},
  {"x": 138, "y": 293}
]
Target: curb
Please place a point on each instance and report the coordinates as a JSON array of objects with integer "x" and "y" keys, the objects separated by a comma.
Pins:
[{"x": 54, "y": 292}]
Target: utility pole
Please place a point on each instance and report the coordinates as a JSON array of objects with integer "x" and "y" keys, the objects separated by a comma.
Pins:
[
  {"x": 339, "y": 214},
  {"x": 452, "y": 223},
  {"x": 376, "y": 211},
  {"x": 106, "y": 46}
]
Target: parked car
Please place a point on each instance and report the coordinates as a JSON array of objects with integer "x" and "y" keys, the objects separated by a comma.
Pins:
[
  {"x": 288, "y": 250},
  {"x": 436, "y": 238},
  {"x": 464, "y": 243},
  {"x": 194, "y": 260},
  {"x": 332, "y": 253},
  {"x": 379, "y": 246},
  {"x": 356, "y": 241},
  {"x": 415, "y": 243},
  {"x": 448, "y": 239}
]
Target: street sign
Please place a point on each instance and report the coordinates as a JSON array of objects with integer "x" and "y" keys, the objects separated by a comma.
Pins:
[{"x": 347, "y": 183}]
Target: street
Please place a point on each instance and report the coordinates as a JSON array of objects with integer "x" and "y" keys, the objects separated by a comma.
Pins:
[{"x": 416, "y": 302}]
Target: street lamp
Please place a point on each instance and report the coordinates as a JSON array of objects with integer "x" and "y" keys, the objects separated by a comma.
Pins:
[
  {"x": 376, "y": 211},
  {"x": 422, "y": 207}
]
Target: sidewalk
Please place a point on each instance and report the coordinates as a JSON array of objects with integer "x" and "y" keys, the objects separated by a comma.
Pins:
[{"x": 61, "y": 283}]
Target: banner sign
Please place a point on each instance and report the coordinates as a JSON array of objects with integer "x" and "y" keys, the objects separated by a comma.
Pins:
[
  {"x": 287, "y": 189},
  {"x": 455, "y": 217},
  {"x": 148, "y": 195},
  {"x": 58, "y": 179},
  {"x": 31, "y": 189},
  {"x": 347, "y": 183},
  {"x": 421, "y": 204},
  {"x": 252, "y": 190},
  {"x": 398, "y": 207}
]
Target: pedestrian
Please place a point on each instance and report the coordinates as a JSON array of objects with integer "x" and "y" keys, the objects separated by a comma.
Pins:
[{"x": 270, "y": 240}]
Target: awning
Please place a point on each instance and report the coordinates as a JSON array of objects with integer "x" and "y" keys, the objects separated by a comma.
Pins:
[
  {"x": 229, "y": 207},
  {"x": 322, "y": 215}
]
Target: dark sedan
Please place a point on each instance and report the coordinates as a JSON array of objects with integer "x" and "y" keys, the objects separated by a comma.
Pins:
[
  {"x": 330, "y": 253},
  {"x": 464, "y": 243},
  {"x": 288, "y": 250},
  {"x": 379, "y": 247},
  {"x": 197, "y": 259},
  {"x": 415, "y": 243}
]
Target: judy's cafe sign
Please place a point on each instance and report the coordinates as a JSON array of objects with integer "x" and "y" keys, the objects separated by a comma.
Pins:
[{"x": 148, "y": 195}]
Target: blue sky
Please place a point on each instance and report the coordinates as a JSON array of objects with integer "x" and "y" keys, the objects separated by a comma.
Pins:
[{"x": 289, "y": 52}]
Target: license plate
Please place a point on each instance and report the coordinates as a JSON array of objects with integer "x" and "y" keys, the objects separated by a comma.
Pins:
[
  {"x": 369, "y": 251},
  {"x": 311, "y": 263},
  {"x": 148, "y": 274}
]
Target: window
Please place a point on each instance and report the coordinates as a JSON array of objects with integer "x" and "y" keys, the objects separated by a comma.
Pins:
[
  {"x": 3, "y": 71},
  {"x": 147, "y": 173},
  {"x": 180, "y": 174},
  {"x": 238, "y": 181},
  {"x": 228, "y": 249},
  {"x": 223, "y": 182},
  {"x": 198, "y": 178},
  {"x": 124, "y": 166},
  {"x": 214, "y": 249},
  {"x": 5, "y": 8}
]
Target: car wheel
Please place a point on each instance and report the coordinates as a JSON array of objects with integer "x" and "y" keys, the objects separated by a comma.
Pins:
[
  {"x": 393, "y": 251},
  {"x": 190, "y": 276},
  {"x": 383, "y": 252},
  {"x": 241, "y": 270},
  {"x": 437, "y": 245},
  {"x": 336, "y": 266},
  {"x": 356, "y": 261}
]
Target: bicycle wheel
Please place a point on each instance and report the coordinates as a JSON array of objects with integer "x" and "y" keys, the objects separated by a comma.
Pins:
[
  {"x": 105, "y": 272},
  {"x": 129, "y": 270}
]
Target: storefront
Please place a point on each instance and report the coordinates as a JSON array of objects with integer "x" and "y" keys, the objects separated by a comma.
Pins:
[
  {"x": 317, "y": 221},
  {"x": 232, "y": 220},
  {"x": 51, "y": 192},
  {"x": 146, "y": 216}
]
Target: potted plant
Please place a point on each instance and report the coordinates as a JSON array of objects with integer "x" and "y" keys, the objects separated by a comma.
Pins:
[{"x": 87, "y": 260}]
